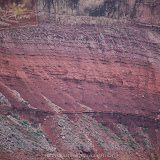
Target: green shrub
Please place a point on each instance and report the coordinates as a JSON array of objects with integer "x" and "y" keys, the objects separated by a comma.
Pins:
[
  {"x": 25, "y": 122},
  {"x": 100, "y": 125},
  {"x": 82, "y": 136},
  {"x": 95, "y": 138},
  {"x": 126, "y": 132},
  {"x": 105, "y": 129},
  {"x": 91, "y": 120},
  {"x": 33, "y": 149},
  {"x": 144, "y": 130},
  {"x": 10, "y": 113},
  {"x": 80, "y": 147},
  {"x": 98, "y": 143},
  {"x": 31, "y": 119},
  {"x": 131, "y": 144},
  {"x": 5, "y": 102},
  {"x": 86, "y": 128},
  {"x": 38, "y": 132},
  {"x": 69, "y": 133},
  {"x": 102, "y": 147},
  {"x": 47, "y": 117},
  {"x": 53, "y": 128},
  {"x": 15, "y": 116},
  {"x": 144, "y": 142},
  {"x": 25, "y": 102},
  {"x": 4, "y": 117},
  {"x": 34, "y": 124}
]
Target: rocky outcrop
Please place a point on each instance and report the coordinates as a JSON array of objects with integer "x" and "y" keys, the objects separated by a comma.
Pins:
[
  {"x": 85, "y": 89},
  {"x": 140, "y": 11}
]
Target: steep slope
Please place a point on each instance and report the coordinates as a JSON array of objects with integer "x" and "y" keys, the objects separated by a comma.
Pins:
[
  {"x": 103, "y": 68},
  {"x": 87, "y": 87},
  {"x": 137, "y": 11}
]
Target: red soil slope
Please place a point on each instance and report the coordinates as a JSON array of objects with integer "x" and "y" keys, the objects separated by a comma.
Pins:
[
  {"x": 118, "y": 70},
  {"x": 108, "y": 73}
]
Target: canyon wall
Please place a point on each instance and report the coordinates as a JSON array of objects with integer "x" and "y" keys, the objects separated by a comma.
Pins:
[
  {"x": 85, "y": 81},
  {"x": 103, "y": 68},
  {"x": 139, "y": 11}
]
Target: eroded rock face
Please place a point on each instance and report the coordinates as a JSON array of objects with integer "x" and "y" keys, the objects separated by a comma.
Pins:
[
  {"x": 84, "y": 89},
  {"x": 102, "y": 68},
  {"x": 141, "y": 11}
]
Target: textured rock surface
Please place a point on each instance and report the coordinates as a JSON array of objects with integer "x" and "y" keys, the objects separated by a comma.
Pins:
[
  {"x": 140, "y": 11},
  {"x": 81, "y": 90},
  {"x": 103, "y": 68},
  {"x": 110, "y": 74}
]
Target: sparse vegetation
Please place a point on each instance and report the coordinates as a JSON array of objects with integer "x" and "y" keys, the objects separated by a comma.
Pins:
[
  {"x": 80, "y": 147},
  {"x": 69, "y": 133},
  {"x": 102, "y": 147},
  {"x": 15, "y": 116},
  {"x": 100, "y": 125},
  {"x": 5, "y": 102},
  {"x": 76, "y": 125},
  {"x": 34, "y": 124},
  {"x": 131, "y": 144},
  {"x": 53, "y": 129},
  {"x": 25, "y": 102},
  {"x": 144, "y": 143},
  {"x": 103, "y": 127},
  {"x": 10, "y": 113},
  {"x": 82, "y": 136},
  {"x": 91, "y": 121},
  {"x": 84, "y": 107},
  {"x": 47, "y": 117},
  {"x": 39, "y": 132},
  {"x": 95, "y": 138},
  {"x": 4, "y": 117},
  {"x": 31, "y": 119},
  {"x": 144, "y": 130},
  {"x": 34, "y": 149},
  {"x": 16, "y": 133},
  {"x": 86, "y": 128},
  {"x": 25, "y": 122}
]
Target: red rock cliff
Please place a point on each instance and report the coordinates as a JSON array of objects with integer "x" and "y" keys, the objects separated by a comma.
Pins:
[{"x": 85, "y": 89}]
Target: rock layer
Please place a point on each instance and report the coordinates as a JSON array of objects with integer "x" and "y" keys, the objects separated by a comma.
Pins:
[
  {"x": 139, "y": 11},
  {"x": 103, "y": 68},
  {"x": 90, "y": 89}
]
